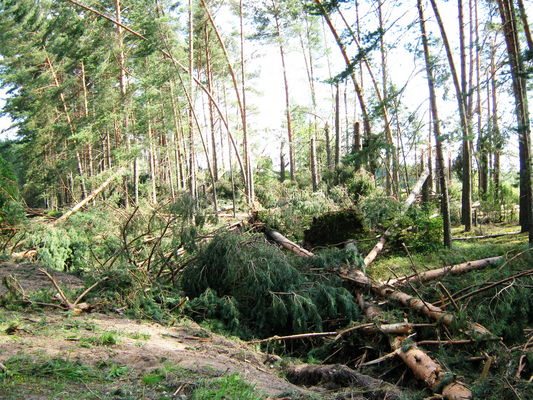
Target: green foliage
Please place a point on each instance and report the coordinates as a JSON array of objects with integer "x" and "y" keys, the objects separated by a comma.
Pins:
[
  {"x": 496, "y": 202},
  {"x": 262, "y": 290},
  {"x": 295, "y": 209},
  {"x": 418, "y": 231},
  {"x": 11, "y": 210},
  {"x": 55, "y": 368},
  {"x": 379, "y": 211},
  {"x": 232, "y": 387},
  {"x": 358, "y": 184}
]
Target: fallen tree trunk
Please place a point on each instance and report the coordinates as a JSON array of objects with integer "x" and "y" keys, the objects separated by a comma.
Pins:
[
  {"x": 408, "y": 202},
  {"x": 289, "y": 245},
  {"x": 86, "y": 200},
  {"x": 338, "y": 376},
  {"x": 427, "y": 370},
  {"x": 419, "y": 305},
  {"x": 440, "y": 272},
  {"x": 402, "y": 327},
  {"x": 422, "y": 365},
  {"x": 487, "y": 236}
]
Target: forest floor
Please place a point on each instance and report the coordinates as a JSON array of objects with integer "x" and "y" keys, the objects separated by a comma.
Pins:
[{"x": 57, "y": 355}]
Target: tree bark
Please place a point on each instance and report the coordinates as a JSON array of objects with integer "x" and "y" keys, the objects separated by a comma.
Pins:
[
  {"x": 441, "y": 176},
  {"x": 440, "y": 272},
  {"x": 286, "y": 243},
  {"x": 466, "y": 193},
  {"x": 518, "y": 74},
  {"x": 423, "y": 366},
  {"x": 337, "y": 127},
  {"x": 423, "y": 307}
]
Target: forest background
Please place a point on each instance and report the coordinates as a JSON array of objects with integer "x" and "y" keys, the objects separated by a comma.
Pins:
[{"x": 160, "y": 152}]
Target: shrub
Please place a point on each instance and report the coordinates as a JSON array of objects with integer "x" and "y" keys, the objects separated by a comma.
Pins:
[
  {"x": 295, "y": 211},
  {"x": 378, "y": 211},
  {"x": 418, "y": 231}
]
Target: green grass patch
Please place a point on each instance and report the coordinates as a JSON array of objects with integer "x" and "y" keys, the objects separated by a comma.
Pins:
[
  {"x": 385, "y": 267},
  {"x": 232, "y": 387}
]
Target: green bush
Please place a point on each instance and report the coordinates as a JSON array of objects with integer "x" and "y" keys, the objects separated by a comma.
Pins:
[
  {"x": 295, "y": 211},
  {"x": 379, "y": 211},
  {"x": 418, "y": 231},
  {"x": 358, "y": 184},
  {"x": 252, "y": 286}
]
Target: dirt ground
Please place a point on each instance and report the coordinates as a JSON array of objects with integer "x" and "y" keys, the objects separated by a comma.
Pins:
[
  {"x": 141, "y": 346},
  {"x": 32, "y": 280}
]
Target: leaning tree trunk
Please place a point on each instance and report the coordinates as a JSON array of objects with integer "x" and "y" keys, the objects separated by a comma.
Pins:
[{"x": 444, "y": 202}]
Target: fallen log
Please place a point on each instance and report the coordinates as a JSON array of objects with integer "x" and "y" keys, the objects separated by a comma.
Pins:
[
  {"x": 402, "y": 327},
  {"x": 427, "y": 370},
  {"x": 338, "y": 376},
  {"x": 422, "y": 365},
  {"x": 91, "y": 196},
  {"x": 289, "y": 245},
  {"x": 440, "y": 272},
  {"x": 371, "y": 256},
  {"x": 487, "y": 236},
  {"x": 417, "y": 304}
]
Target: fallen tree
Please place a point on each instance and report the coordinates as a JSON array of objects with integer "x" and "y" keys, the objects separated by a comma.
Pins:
[
  {"x": 91, "y": 196},
  {"x": 421, "y": 364},
  {"x": 428, "y": 309},
  {"x": 289, "y": 245},
  {"x": 440, "y": 272},
  {"x": 495, "y": 235},
  {"x": 371, "y": 256}
]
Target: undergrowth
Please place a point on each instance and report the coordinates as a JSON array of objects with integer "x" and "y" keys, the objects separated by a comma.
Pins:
[{"x": 257, "y": 291}]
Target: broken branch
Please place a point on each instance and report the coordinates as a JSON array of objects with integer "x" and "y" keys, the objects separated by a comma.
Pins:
[{"x": 408, "y": 202}]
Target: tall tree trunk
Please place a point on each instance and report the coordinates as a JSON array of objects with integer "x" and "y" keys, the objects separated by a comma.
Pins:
[
  {"x": 192, "y": 149},
  {"x": 510, "y": 30},
  {"x": 337, "y": 127},
  {"x": 282, "y": 161},
  {"x": 70, "y": 124},
  {"x": 309, "y": 62},
  {"x": 466, "y": 192},
  {"x": 357, "y": 87},
  {"x": 445, "y": 206},
  {"x": 240, "y": 94},
  {"x": 329, "y": 160},
  {"x": 495, "y": 129},
  {"x": 525, "y": 26},
  {"x": 209, "y": 75},
  {"x": 246, "y": 145},
  {"x": 314, "y": 172},
  {"x": 292, "y": 164},
  {"x": 122, "y": 136},
  {"x": 483, "y": 150}
]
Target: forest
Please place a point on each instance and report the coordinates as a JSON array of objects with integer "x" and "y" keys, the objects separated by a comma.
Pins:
[{"x": 269, "y": 199}]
